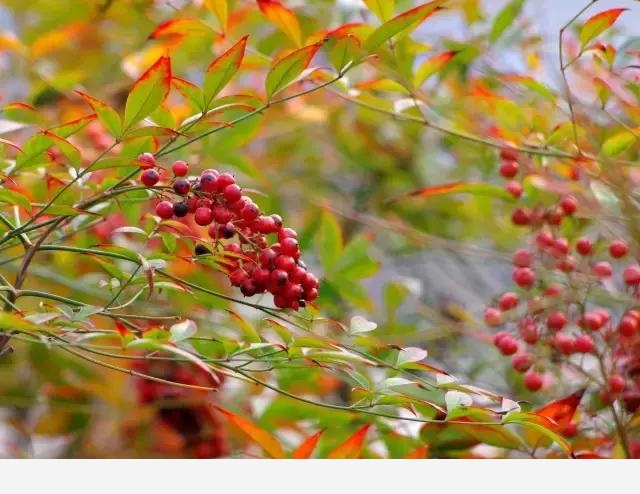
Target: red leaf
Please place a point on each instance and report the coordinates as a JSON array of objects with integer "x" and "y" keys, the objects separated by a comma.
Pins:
[
  {"x": 350, "y": 449},
  {"x": 561, "y": 411},
  {"x": 305, "y": 450},
  {"x": 263, "y": 438},
  {"x": 179, "y": 28},
  {"x": 418, "y": 454},
  {"x": 282, "y": 17}
]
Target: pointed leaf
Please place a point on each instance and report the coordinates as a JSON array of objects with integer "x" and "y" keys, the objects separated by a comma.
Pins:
[
  {"x": 190, "y": 91},
  {"x": 419, "y": 453},
  {"x": 222, "y": 69},
  {"x": 619, "y": 143},
  {"x": 598, "y": 24},
  {"x": 12, "y": 197},
  {"x": 73, "y": 127},
  {"x": 505, "y": 18},
  {"x": 287, "y": 69},
  {"x": 402, "y": 23},
  {"x": 220, "y": 9},
  {"x": 562, "y": 411},
  {"x": 107, "y": 115},
  {"x": 351, "y": 448},
  {"x": 305, "y": 450},
  {"x": 282, "y": 17},
  {"x": 329, "y": 241},
  {"x": 482, "y": 189},
  {"x": 383, "y": 9},
  {"x": 149, "y": 91},
  {"x": 263, "y": 438},
  {"x": 345, "y": 50},
  {"x": 432, "y": 65}
]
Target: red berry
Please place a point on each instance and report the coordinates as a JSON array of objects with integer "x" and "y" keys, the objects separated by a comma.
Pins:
[
  {"x": 522, "y": 258},
  {"x": 554, "y": 216},
  {"x": 286, "y": 233},
  {"x": 180, "y": 209},
  {"x": 180, "y": 168},
  {"x": 508, "y": 345},
  {"x": 238, "y": 277},
  {"x": 522, "y": 362},
  {"x": 227, "y": 230},
  {"x": 560, "y": 247},
  {"x": 279, "y": 277},
  {"x": 261, "y": 276},
  {"x": 146, "y": 160},
  {"x": 181, "y": 186},
  {"x": 231, "y": 192},
  {"x": 533, "y": 381},
  {"x": 602, "y": 269},
  {"x": 310, "y": 281},
  {"x": 493, "y": 316},
  {"x": 566, "y": 265},
  {"x": 292, "y": 291},
  {"x": 615, "y": 383},
  {"x": 250, "y": 212},
  {"x": 604, "y": 314},
  {"x": 508, "y": 301},
  {"x": 149, "y": 177},
  {"x": 528, "y": 331},
  {"x": 524, "y": 277},
  {"x": 285, "y": 263},
  {"x": 265, "y": 224},
  {"x": 520, "y": 217},
  {"x": 628, "y": 326},
  {"x": 248, "y": 288},
  {"x": 564, "y": 343},
  {"x": 583, "y": 344},
  {"x": 569, "y": 204},
  {"x": 509, "y": 168},
  {"x": 280, "y": 301},
  {"x": 203, "y": 216},
  {"x": 631, "y": 275},
  {"x": 267, "y": 257},
  {"x": 289, "y": 246},
  {"x": 224, "y": 180},
  {"x": 208, "y": 181},
  {"x": 277, "y": 220},
  {"x": 618, "y": 249},
  {"x": 544, "y": 240},
  {"x": 584, "y": 246},
  {"x": 297, "y": 274},
  {"x": 556, "y": 321},
  {"x": 311, "y": 294},
  {"x": 593, "y": 321},
  {"x": 508, "y": 153},
  {"x": 164, "y": 209},
  {"x": 514, "y": 188},
  {"x": 554, "y": 290},
  {"x": 221, "y": 214}
]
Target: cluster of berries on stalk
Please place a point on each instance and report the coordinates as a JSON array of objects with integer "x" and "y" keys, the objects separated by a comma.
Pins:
[
  {"x": 196, "y": 429},
  {"x": 236, "y": 226},
  {"x": 553, "y": 317}
]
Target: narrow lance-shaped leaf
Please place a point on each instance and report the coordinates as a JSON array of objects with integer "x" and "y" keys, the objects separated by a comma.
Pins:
[
  {"x": 107, "y": 115},
  {"x": 345, "y": 50},
  {"x": 73, "y": 127},
  {"x": 12, "y": 197},
  {"x": 219, "y": 8},
  {"x": 620, "y": 142},
  {"x": 401, "y": 23},
  {"x": 505, "y": 18},
  {"x": 222, "y": 69},
  {"x": 305, "y": 450},
  {"x": 282, "y": 17},
  {"x": 475, "y": 188},
  {"x": 149, "y": 91},
  {"x": 383, "y": 9},
  {"x": 598, "y": 24},
  {"x": 69, "y": 150},
  {"x": 263, "y": 438},
  {"x": 190, "y": 91},
  {"x": 351, "y": 448},
  {"x": 432, "y": 65},
  {"x": 287, "y": 69}
]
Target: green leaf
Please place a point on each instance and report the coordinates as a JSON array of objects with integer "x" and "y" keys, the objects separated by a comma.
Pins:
[
  {"x": 598, "y": 24},
  {"x": 619, "y": 143},
  {"x": 521, "y": 419},
  {"x": 190, "y": 91},
  {"x": 329, "y": 241},
  {"x": 150, "y": 131},
  {"x": 504, "y": 19},
  {"x": 13, "y": 197},
  {"x": 383, "y": 9},
  {"x": 222, "y": 69},
  {"x": 287, "y": 69},
  {"x": 107, "y": 115},
  {"x": 345, "y": 50},
  {"x": 33, "y": 150},
  {"x": 71, "y": 152},
  {"x": 402, "y": 23},
  {"x": 73, "y": 127},
  {"x": 148, "y": 93},
  {"x": 431, "y": 66}
]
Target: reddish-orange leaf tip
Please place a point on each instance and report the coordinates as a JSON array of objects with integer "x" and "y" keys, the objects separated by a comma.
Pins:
[
  {"x": 351, "y": 448},
  {"x": 305, "y": 450}
]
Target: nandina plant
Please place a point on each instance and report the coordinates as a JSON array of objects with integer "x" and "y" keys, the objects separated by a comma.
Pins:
[{"x": 165, "y": 171}]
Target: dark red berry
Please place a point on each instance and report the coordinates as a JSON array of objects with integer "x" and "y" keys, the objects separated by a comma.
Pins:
[
  {"x": 180, "y": 209},
  {"x": 569, "y": 204},
  {"x": 524, "y": 277},
  {"x": 292, "y": 292},
  {"x": 201, "y": 250},
  {"x": 267, "y": 257},
  {"x": 227, "y": 230},
  {"x": 583, "y": 344},
  {"x": 279, "y": 277},
  {"x": 520, "y": 217},
  {"x": 238, "y": 277},
  {"x": 584, "y": 246},
  {"x": 311, "y": 294},
  {"x": 310, "y": 281},
  {"x": 149, "y": 177},
  {"x": 286, "y": 233},
  {"x": 248, "y": 288},
  {"x": 250, "y": 212},
  {"x": 261, "y": 276},
  {"x": 180, "y": 168},
  {"x": 615, "y": 383},
  {"x": 508, "y": 153},
  {"x": 509, "y": 168},
  {"x": 285, "y": 263},
  {"x": 628, "y": 326},
  {"x": 277, "y": 220},
  {"x": 181, "y": 186},
  {"x": 208, "y": 181},
  {"x": 556, "y": 321},
  {"x": 222, "y": 214}
]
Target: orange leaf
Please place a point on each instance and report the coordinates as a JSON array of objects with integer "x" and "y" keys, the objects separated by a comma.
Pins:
[
  {"x": 418, "y": 454},
  {"x": 263, "y": 438},
  {"x": 350, "y": 449},
  {"x": 597, "y": 24},
  {"x": 476, "y": 188},
  {"x": 561, "y": 411},
  {"x": 282, "y": 17},
  {"x": 179, "y": 28},
  {"x": 305, "y": 450},
  {"x": 432, "y": 65}
]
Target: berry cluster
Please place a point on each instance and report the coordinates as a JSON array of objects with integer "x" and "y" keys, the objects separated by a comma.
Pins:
[
  {"x": 238, "y": 229},
  {"x": 552, "y": 319},
  {"x": 187, "y": 412}
]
